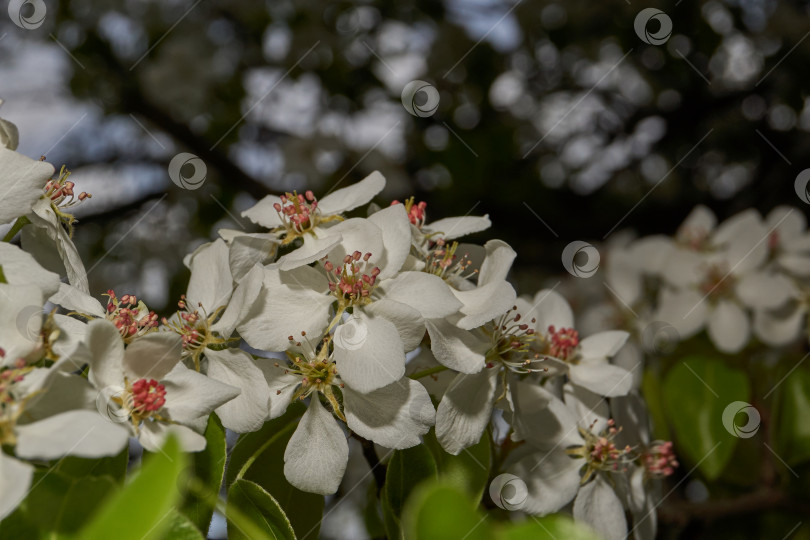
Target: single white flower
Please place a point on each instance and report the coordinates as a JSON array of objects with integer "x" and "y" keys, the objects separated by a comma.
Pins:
[
  {"x": 294, "y": 215},
  {"x": 714, "y": 287},
  {"x": 572, "y": 455},
  {"x": 210, "y": 311},
  {"x": 146, "y": 387},
  {"x": 394, "y": 416}
]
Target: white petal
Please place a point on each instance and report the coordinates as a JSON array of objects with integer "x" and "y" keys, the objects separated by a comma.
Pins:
[
  {"x": 651, "y": 253},
  {"x": 780, "y": 327},
  {"x": 552, "y": 479},
  {"x": 395, "y": 227},
  {"x": 542, "y": 418},
  {"x": 70, "y": 346},
  {"x": 598, "y": 506},
  {"x": 349, "y": 198},
  {"x": 288, "y": 305},
  {"x": 603, "y": 344},
  {"x": 465, "y": 410},
  {"x": 152, "y": 356},
  {"x": 20, "y": 319},
  {"x": 408, "y": 321},
  {"x": 699, "y": 219},
  {"x": 685, "y": 310},
  {"x": 9, "y": 137},
  {"x": 247, "y": 411},
  {"x": 761, "y": 290},
  {"x": 78, "y": 433},
  {"x": 281, "y": 385},
  {"x": 395, "y": 416},
  {"x": 460, "y": 350},
  {"x": 357, "y": 234},
  {"x": 21, "y": 183},
  {"x": 729, "y": 328},
  {"x": 191, "y": 396},
  {"x": 684, "y": 268},
  {"x": 106, "y": 354},
  {"x": 427, "y": 293},
  {"x": 241, "y": 302},
  {"x": 590, "y": 409},
  {"x": 602, "y": 378},
  {"x": 368, "y": 353},
  {"x": 550, "y": 309},
  {"x": 484, "y": 303},
  {"x": 15, "y": 480},
  {"x": 248, "y": 250},
  {"x": 787, "y": 221},
  {"x": 263, "y": 213},
  {"x": 20, "y": 268},
  {"x": 153, "y": 436},
  {"x": 316, "y": 456},
  {"x": 456, "y": 227},
  {"x": 498, "y": 261},
  {"x": 313, "y": 248},
  {"x": 211, "y": 282},
  {"x": 73, "y": 299},
  {"x": 798, "y": 265}
]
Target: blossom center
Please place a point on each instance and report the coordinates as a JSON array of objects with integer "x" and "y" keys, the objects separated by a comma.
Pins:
[
  {"x": 299, "y": 215},
  {"x": 132, "y": 318},
  {"x": 717, "y": 283},
  {"x": 62, "y": 196},
  {"x": 511, "y": 344},
  {"x": 11, "y": 407},
  {"x": 416, "y": 211},
  {"x": 660, "y": 459},
  {"x": 316, "y": 369},
  {"x": 353, "y": 282},
  {"x": 148, "y": 396},
  {"x": 600, "y": 451},
  {"x": 562, "y": 343},
  {"x": 441, "y": 260}
]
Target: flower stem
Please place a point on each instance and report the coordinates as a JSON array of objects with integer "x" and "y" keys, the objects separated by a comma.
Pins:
[
  {"x": 21, "y": 222},
  {"x": 426, "y": 372}
]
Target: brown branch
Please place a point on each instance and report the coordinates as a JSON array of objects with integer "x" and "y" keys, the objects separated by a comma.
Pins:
[{"x": 684, "y": 512}]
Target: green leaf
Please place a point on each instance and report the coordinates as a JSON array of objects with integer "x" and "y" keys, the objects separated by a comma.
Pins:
[
  {"x": 139, "y": 511},
  {"x": 250, "y": 506},
  {"x": 261, "y": 456},
  {"x": 468, "y": 471},
  {"x": 206, "y": 470},
  {"x": 696, "y": 392},
  {"x": 406, "y": 469},
  {"x": 547, "y": 528},
  {"x": 651, "y": 389},
  {"x": 114, "y": 467},
  {"x": 181, "y": 528},
  {"x": 436, "y": 511},
  {"x": 69, "y": 502},
  {"x": 792, "y": 437},
  {"x": 372, "y": 513}
]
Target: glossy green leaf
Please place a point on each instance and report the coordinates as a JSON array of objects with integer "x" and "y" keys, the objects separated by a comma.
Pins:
[
  {"x": 696, "y": 392},
  {"x": 406, "y": 469},
  {"x": 181, "y": 528},
  {"x": 651, "y": 389},
  {"x": 140, "y": 510},
  {"x": 792, "y": 437},
  {"x": 261, "y": 456},
  {"x": 252, "y": 503},
  {"x": 436, "y": 511},
  {"x": 547, "y": 528},
  {"x": 468, "y": 471},
  {"x": 69, "y": 502},
  {"x": 206, "y": 471},
  {"x": 114, "y": 467}
]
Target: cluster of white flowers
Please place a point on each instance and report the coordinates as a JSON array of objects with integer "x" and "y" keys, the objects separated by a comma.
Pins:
[{"x": 359, "y": 313}]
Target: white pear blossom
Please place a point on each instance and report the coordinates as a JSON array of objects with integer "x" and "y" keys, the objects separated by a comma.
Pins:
[
  {"x": 22, "y": 180},
  {"x": 146, "y": 387},
  {"x": 293, "y": 215},
  {"x": 394, "y": 415},
  {"x": 210, "y": 311}
]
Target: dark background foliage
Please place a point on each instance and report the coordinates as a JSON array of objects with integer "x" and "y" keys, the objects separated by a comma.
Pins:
[{"x": 555, "y": 118}]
